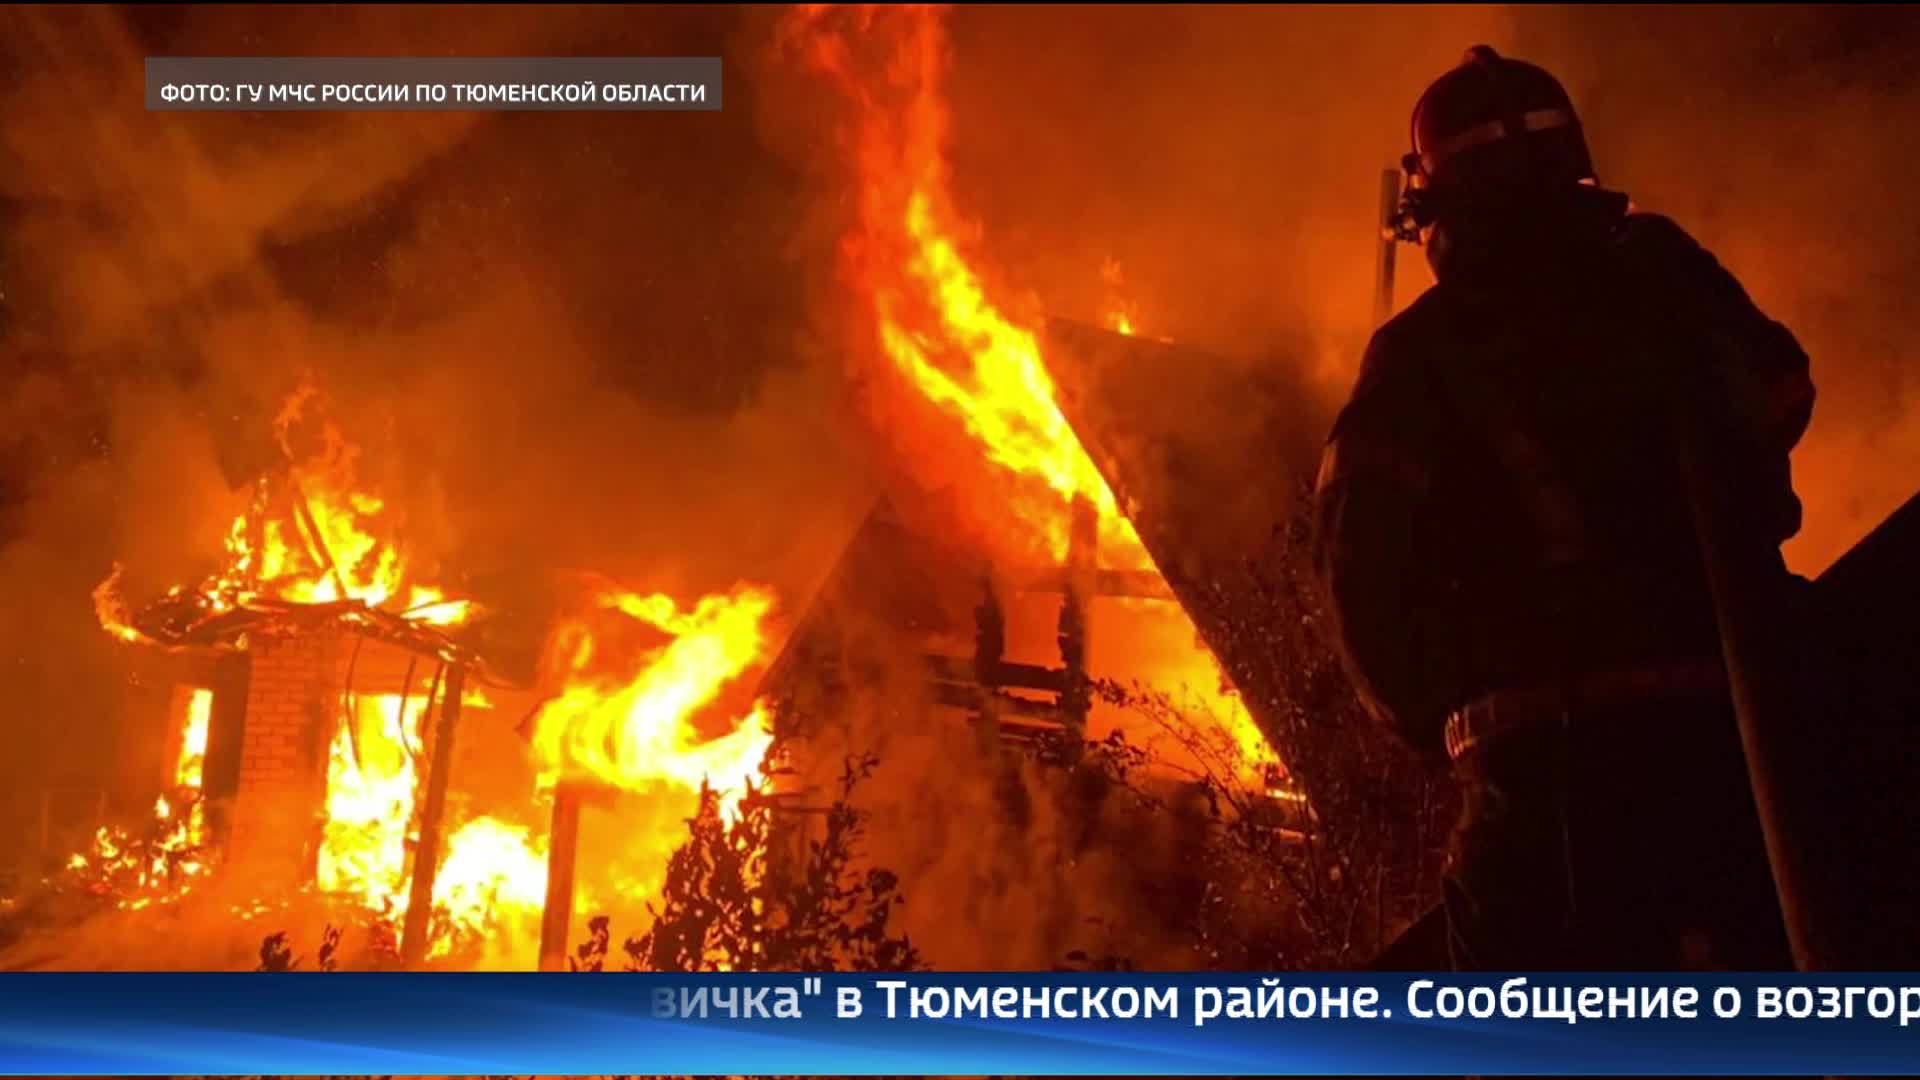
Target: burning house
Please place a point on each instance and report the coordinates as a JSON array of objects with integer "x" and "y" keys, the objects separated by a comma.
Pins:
[
  {"x": 313, "y": 722},
  {"x": 339, "y": 719}
]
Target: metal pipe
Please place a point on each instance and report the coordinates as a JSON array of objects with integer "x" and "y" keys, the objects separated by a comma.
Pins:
[{"x": 1383, "y": 263}]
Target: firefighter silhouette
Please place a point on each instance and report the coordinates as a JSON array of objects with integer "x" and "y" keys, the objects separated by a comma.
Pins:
[{"x": 1506, "y": 541}]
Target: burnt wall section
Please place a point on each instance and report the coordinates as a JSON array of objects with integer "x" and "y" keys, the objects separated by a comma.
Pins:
[{"x": 292, "y": 708}]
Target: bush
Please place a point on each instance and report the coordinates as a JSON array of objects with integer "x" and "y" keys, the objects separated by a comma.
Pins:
[{"x": 733, "y": 902}]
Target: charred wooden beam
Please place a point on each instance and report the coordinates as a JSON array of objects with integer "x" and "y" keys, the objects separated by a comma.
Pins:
[
  {"x": 1031, "y": 711},
  {"x": 426, "y": 858},
  {"x": 989, "y": 635},
  {"x": 959, "y": 695},
  {"x": 989, "y": 650},
  {"x": 317, "y": 538},
  {"x": 1132, "y": 584},
  {"x": 563, "y": 848},
  {"x": 1003, "y": 673},
  {"x": 1083, "y": 538},
  {"x": 1004, "y": 705}
]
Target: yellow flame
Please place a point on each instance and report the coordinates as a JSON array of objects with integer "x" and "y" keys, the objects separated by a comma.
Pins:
[
  {"x": 189, "y": 771},
  {"x": 954, "y": 345},
  {"x": 492, "y": 872},
  {"x": 370, "y": 793},
  {"x": 629, "y": 724},
  {"x": 311, "y": 534}
]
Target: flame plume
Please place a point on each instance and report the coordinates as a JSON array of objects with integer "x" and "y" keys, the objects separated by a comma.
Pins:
[
  {"x": 626, "y": 720},
  {"x": 939, "y": 328}
]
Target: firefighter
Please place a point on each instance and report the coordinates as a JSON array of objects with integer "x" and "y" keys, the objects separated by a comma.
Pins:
[{"x": 1508, "y": 549}]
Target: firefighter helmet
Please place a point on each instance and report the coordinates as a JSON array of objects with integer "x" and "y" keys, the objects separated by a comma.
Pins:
[{"x": 1495, "y": 124}]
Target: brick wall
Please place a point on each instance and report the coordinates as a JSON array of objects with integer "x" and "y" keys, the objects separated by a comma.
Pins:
[{"x": 293, "y": 702}]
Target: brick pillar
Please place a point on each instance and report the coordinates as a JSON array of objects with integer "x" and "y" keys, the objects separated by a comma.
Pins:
[{"x": 293, "y": 707}]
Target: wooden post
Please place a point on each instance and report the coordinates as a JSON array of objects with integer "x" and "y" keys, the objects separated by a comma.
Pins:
[
  {"x": 426, "y": 856},
  {"x": 989, "y": 652},
  {"x": 563, "y": 845},
  {"x": 1076, "y": 697},
  {"x": 989, "y": 636}
]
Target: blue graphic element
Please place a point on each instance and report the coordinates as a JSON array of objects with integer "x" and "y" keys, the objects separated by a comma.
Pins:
[{"x": 297, "y": 1023}]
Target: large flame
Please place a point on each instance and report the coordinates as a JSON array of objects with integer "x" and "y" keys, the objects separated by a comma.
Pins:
[
  {"x": 645, "y": 708},
  {"x": 952, "y": 343},
  {"x": 624, "y": 717},
  {"x": 371, "y": 782},
  {"x": 312, "y": 533},
  {"x": 491, "y": 873},
  {"x": 325, "y": 537}
]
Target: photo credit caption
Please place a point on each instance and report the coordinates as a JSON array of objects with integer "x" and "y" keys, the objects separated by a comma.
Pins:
[{"x": 434, "y": 84}]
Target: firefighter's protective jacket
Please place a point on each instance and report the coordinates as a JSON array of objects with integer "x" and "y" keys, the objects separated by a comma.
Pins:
[{"x": 1499, "y": 504}]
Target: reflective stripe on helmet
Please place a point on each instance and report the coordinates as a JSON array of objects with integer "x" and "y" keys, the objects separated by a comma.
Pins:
[{"x": 1492, "y": 131}]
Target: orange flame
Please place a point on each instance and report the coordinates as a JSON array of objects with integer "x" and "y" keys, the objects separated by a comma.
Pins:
[
  {"x": 110, "y": 608},
  {"x": 491, "y": 873},
  {"x": 626, "y": 721},
  {"x": 311, "y": 534},
  {"x": 939, "y": 328},
  {"x": 327, "y": 539}
]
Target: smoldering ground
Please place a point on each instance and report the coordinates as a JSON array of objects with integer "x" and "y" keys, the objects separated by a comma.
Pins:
[{"x": 614, "y": 340}]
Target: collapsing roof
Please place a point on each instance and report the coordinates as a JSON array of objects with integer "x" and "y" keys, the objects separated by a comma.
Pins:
[
  {"x": 1207, "y": 457},
  {"x": 1133, "y": 404}
]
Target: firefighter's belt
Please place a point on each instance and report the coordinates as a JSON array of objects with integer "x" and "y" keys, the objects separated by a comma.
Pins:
[{"x": 1504, "y": 711}]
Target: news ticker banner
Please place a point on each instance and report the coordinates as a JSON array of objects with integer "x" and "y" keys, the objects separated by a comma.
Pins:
[
  {"x": 433, "y": 83},
  {"x": 970, "y": 1024}
]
